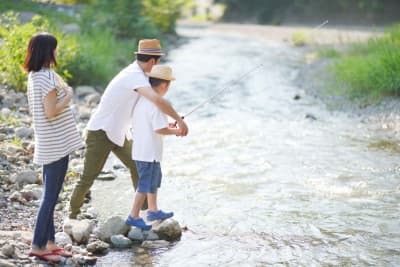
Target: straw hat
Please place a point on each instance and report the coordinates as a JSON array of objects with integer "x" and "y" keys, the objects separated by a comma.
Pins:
[
  {"x": 149, "y": 47},
  {"x": 161, "y": 72}
]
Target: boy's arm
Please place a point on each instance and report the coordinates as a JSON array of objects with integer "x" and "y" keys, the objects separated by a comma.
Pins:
[
  {"x": 169, "y": 131},
  {"x": 164, "y": 106}
]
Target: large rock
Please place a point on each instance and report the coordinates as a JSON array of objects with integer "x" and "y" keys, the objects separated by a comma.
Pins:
[
  {"x": 25, "y": 177},
  {"x": 24, "y": 132},
  {"x": 5, "y": 263},
  {"x": 155, "y": 244},
  {"x": 8, "y": 250},
  {"x": 121, "y": 241},
  {"x": 79, "y": 230},
  {"x": 82, "y": 91},
  {"x": 92, "y": 99},
  {"x": 168, "y": 230},
  {"x": 63, "y": 239},
  {"x": 114, "y": 225},
  {"x": 137, "y": 234},
  {"x": 71, "y": 28},
  {"x": 97, "y": 247},
  {"x": 32, "y": 192}
]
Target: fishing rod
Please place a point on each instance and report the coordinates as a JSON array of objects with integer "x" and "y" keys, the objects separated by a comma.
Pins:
[
  {"x": 235, "y": 81},
  {"x": 229, "y": 85}
]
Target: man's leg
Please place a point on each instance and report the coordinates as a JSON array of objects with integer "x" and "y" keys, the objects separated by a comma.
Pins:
[
  {"x": 125, "y": 155},
  {"x": 98, "y": 147}
]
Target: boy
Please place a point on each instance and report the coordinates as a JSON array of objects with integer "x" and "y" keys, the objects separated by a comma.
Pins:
[{"x": 149, "y": 125}]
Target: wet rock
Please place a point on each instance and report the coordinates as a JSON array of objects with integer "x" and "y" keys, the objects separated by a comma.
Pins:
[
  {"x": 32, "y": 192},
  {"x": 137, "y": 234},
  {"x": 84, "y": 260},
  {"x": 8, "y": 250},
  {"x": 168, "y": 230},
  {"x": 155, "y": 244},
  {"x": 79, "y": 231},
  {"x": 17, "y": 197},
  {"x": 62, "y": 239},
  {"x": 97, "y": 247},
  {"x": 5, "y": 263},
  {"x": 25, "y": 177},
  {"x": 82, "y": 91},
  {"x": 297, "y": 97},
  {"x": 24, "y": 132},
  {"x": 114, "y": 225},
  {"x": 107, "y": 176},
  {"x": 121, "y": 241}
]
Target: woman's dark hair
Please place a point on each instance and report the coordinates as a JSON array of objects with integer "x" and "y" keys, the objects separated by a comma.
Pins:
[
  {"x": 146, "y": 58},
  {"x": 40, "y": 52},
  {"x": 154, "y": 82}
]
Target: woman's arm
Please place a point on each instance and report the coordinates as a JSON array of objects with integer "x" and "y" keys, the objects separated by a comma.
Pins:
[
  {"x": 51, "y": 107},
  {"x": 164, "y": 106}
]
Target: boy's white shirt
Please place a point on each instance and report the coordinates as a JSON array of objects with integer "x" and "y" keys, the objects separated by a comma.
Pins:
[{"x": 147, "y": 118}]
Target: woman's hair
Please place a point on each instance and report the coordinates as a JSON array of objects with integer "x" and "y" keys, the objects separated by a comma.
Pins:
[{"x": 40, "y": 52}]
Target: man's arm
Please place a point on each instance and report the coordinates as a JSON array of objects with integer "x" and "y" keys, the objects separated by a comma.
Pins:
[{"x": 164, "y": 106}]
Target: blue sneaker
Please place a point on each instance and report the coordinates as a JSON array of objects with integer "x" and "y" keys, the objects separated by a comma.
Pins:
[
  {"x": 139, "y": 223},
  {"x": 158, "y": 215}
]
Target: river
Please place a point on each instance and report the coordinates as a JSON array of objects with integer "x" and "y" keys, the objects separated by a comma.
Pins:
[{"x": 256, "y": 182}]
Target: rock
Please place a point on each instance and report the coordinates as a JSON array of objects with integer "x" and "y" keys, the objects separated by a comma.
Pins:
[
  {"x": 5, "y": 263},
  {"x": 84, "y": 260},
  {"x": 25, "y": 177},
  {"x": 17, "y": 197},
  {"x": 32, "y": 192},
  {"x": 121, "y": 241},
  {"x": 137, "y": 234},
  {"x": 97, "y": 247},
  {"x": 155, "y": 244},
  {"x": 63, "y": 239},
  {"x": 24, "y": 132},
  {"x": 8, "y": 250},
  {"x": 168, "y": 230},
  {"x": 84, "y": 113},
  {"x": 82, "y": 91},
  {"x": 5, "y": 112},
  {"x": 114, "y": 225},
  {"x": 3, "y": 137},
  {"x": 297, "y": 97},
  {"x": 107, "y": 176},
  {"x": 79, "y": 231},
  {"x": 92, "y": 99},
  {"x": 310, "y": 116}
]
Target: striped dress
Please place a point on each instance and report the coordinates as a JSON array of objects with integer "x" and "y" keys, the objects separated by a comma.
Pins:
[{"x": 56, "y": 137}]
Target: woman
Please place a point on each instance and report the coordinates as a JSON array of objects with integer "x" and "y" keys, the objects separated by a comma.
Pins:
[{"x": 56, "y": 136}]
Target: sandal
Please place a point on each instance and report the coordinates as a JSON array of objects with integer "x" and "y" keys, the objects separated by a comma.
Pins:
[
  {"x": 48, "y": 257},
  {"x": 62, "y": 252}
]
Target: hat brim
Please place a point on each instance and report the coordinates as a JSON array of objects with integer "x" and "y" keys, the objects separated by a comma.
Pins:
[
  {"x": 150, "y": 54},
  {"x": 148, "y": 74}
]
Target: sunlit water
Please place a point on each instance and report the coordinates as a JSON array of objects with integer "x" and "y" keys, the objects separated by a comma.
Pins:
[{"x": 255, "y": 181}]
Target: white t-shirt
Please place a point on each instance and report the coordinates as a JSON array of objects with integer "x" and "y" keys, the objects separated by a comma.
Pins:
[
  {"x": 114, "y": 113},
  {"x": 147, "y": 118}
]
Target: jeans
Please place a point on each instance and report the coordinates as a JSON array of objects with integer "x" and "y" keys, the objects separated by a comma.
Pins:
[
  {"x": 149, "y": 176},
  {"x": 53, "y": 178}
]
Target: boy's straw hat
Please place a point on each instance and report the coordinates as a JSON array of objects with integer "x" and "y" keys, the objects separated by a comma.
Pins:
[
  {"x": 149, "y": 47},
  {"x": 161, "y": 72}
]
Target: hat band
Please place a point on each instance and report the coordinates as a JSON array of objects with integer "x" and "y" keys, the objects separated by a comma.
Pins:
[{"x": 149, "y": 50}]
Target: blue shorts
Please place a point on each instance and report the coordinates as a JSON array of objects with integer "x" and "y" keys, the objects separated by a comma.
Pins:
[{"x": 149, "y": 176}]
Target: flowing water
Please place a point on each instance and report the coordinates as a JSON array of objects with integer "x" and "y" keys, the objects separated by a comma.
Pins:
[{"x": 257, "y": 183}]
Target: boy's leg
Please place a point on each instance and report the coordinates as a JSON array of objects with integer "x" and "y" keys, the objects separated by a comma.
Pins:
[
  {"x": 137, "y": 203},
  {"x": 125, "y": 155},
  {"x": 98, "y": 147},
  {"x": 152, "y": 199}
]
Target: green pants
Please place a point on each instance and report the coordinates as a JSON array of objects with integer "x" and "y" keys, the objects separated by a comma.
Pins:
[{"x": 98, "y": 147}]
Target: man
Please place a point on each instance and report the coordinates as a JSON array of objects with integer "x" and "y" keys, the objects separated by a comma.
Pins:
[{"x": 108, "y": 128}]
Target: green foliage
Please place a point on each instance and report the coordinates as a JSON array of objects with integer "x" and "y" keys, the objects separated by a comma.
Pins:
[
  {"x": 328, "y": 53},
  {"x": 164, "y": 12},
  {"x": 372, "y": 69},
  {"x": 15, "y": 38},
  {"x": 9, "y": 120},
  {"x": 300, "y": 38},
  {"x": 16, "y": 141}
]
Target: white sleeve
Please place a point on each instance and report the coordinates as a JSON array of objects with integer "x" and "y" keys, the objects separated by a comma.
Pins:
[{"x": 158, "y": 120}]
